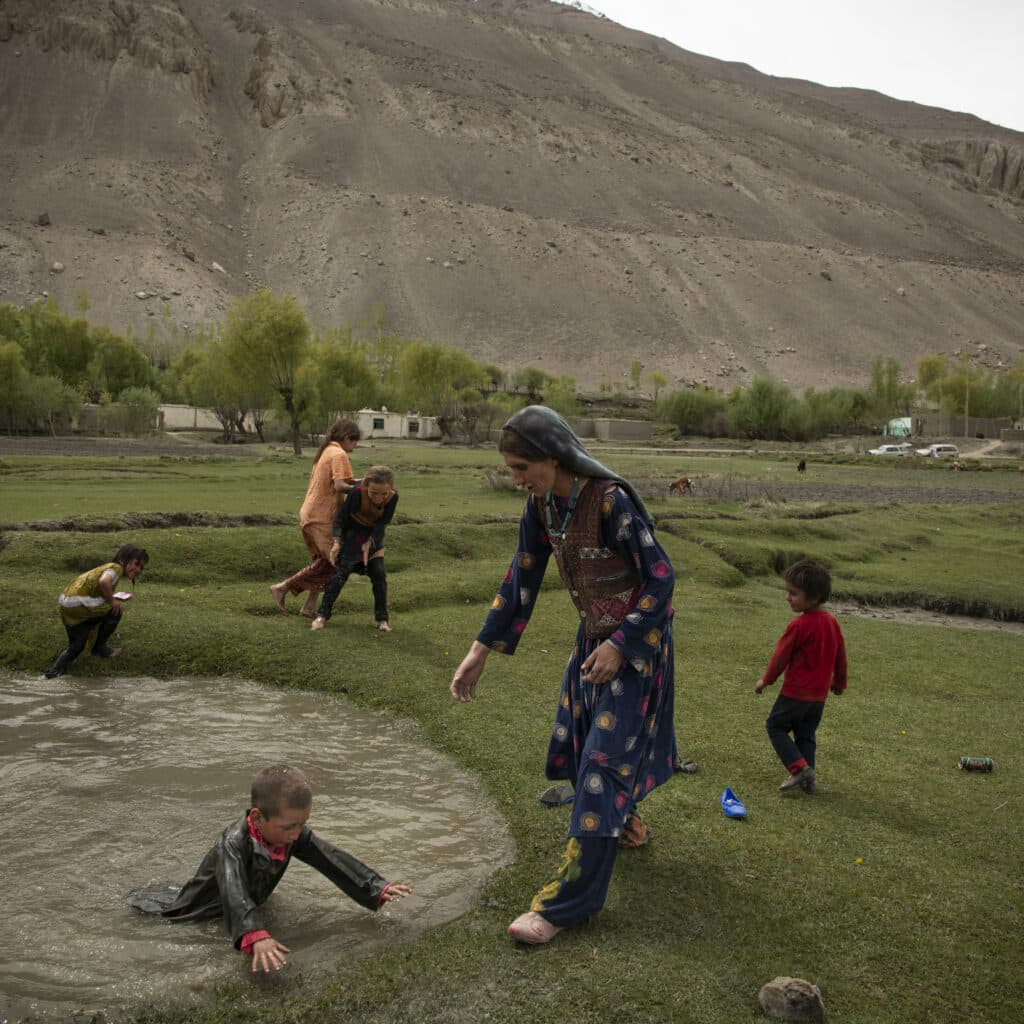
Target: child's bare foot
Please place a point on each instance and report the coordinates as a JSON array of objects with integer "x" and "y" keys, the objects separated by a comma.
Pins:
[
  {"x": 318, "y": 623},
  {"x": 384, "y": 627},
  {"x": 277, "y": 592},
  {"x": 309, "y": 608},
  {"x": 106, "y": 652}
]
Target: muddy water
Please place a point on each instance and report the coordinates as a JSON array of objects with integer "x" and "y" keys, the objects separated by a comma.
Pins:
[{"x": 108, "y": 785}]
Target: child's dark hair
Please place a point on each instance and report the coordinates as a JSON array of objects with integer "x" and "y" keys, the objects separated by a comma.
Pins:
[
  {"x": 131, "y": 553},
  {"x": 338, "y": 431},
  {"x": 810, "y": 577},
  {"x": 279, "y": 787},
  {"x": 379, "y": 475}
]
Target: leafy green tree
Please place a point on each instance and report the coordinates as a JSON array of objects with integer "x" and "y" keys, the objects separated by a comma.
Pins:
[
  {"x": 213, "y": 384},
  {"x": 931, "y": 370},
  {"x": 13, "y": 379},
  {"x": 762, "y": 409},
  {"x": 268, "y": 337},
  {"x": 345, "y": 379},
  {"x": 137, "y": 411},
  {"x": 888, "y": 396},
  {"x": 560, "y": 395},
  {"x": 692, "y": 410},
  {"x": 116, "y": 364},
  {"x": 658, "y": 381},
  {"x": 531, "y": 381},
  {"x": 494, "y": 377},
  {"x": 55, "y": 345},
  {"x": 10, "y": 323},
  {"x": 429, "y": 376},
  {"x": 50, "y": 403}
]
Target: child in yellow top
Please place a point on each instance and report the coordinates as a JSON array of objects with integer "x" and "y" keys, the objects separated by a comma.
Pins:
[{"x": 91, "y": 610}]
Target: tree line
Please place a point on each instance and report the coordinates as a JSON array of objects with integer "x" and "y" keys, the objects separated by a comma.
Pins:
[
  {"x": 264, "y": 363},
  {"x": 769, "y": 410}
]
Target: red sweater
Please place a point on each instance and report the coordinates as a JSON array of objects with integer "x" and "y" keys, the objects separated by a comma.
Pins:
[{"x": 813, "y": 656}]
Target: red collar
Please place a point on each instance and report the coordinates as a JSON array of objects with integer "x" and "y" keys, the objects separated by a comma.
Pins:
[{"x": 276, "y": 852}]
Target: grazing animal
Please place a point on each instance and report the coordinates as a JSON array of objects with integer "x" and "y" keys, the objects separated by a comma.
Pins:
[
  {"x": 801, "y": 466},
  {"x": 681, "y": 486}
]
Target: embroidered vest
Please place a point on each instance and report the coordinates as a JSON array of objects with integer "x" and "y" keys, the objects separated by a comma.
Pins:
[{"x": 602, "y": 584}]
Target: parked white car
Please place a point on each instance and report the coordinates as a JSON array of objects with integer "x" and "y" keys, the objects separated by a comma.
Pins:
[
  {"x": 891, "y": 449},
  {"x": 940, "y": 451}
]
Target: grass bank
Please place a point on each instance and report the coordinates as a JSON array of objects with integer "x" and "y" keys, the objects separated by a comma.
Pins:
[{"x": 896, "y": 889}]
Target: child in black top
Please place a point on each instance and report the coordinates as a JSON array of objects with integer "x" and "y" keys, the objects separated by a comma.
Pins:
[{"x": 359, "y": 543}]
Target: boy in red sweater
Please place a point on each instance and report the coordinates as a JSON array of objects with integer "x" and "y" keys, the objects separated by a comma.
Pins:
[{"x": 813, "y": 656}]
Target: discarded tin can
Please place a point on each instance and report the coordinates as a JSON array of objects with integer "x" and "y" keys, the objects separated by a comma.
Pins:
[{"x": 975, "y": 764}]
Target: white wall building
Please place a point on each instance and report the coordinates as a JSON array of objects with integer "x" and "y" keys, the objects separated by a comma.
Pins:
[{"x": 374, "y": 423}]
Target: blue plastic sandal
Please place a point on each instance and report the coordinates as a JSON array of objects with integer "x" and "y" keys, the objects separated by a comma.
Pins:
[{"x": 732, "y": 805}]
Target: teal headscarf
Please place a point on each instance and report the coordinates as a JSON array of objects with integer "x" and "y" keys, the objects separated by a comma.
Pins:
[{"x": 546, "y": 430}]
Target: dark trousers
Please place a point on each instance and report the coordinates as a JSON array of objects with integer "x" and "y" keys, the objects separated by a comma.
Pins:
[
  {"x": 78, "y": 637},
  {"x": 799, "y": 717},
  {"x": 581, "y": 883},
  {"x": 378, "y": 578}
]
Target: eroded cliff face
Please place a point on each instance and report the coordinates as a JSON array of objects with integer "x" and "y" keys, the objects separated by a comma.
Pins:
[
  {"x": 285, "y": 76},
  {"x": 152, "y": 35},
  {"x": 979, "y": 164},
  {"x": 531, "y": 183}
]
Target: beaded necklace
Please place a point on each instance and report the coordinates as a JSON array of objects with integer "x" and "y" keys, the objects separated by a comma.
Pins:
[{"x": 549, "y": 505}]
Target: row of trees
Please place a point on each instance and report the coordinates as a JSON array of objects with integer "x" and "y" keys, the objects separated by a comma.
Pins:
[
  {"x": 264, "y": 362},
  {"x": 769, "y": 409}
]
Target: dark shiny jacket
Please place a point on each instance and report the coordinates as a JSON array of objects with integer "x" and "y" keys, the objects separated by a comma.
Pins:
[{"x": 238, "y": 874}]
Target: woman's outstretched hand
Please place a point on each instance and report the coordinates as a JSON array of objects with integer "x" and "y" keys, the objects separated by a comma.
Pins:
[{"x": 468, "y": 673}]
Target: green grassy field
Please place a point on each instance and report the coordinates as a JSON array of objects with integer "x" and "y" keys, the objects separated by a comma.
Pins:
[{"x": 897, "y": 889}]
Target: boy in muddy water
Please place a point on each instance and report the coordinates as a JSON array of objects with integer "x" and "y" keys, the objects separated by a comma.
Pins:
[
  {"x": 243, "y": 868},
  {"x": 812, "y": 654},
  {"x": 91, "y": 609}
]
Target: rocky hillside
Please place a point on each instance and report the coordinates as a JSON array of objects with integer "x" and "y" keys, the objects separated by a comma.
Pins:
[{"x": 532, "y": 183}]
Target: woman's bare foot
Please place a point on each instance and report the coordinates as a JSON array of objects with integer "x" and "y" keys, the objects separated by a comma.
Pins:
[
  {"x": 277, "y": 592},
  {"x": 309, "y": 608},
  {"x": 532, "y": 929},
  {"x": 384, "y": 627},
  {"x": 318, "y": 623}
]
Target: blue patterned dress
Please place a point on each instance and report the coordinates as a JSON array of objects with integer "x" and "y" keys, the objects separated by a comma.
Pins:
[{"x": 614, "y": 741}]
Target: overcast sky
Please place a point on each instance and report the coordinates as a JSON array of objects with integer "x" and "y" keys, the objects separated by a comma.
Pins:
[{"x": 965, "y": 55}]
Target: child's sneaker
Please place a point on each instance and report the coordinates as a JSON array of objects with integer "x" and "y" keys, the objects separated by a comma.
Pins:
[
  {"x": 808, "y": 786},
  {"x": 798, "y": 779}
]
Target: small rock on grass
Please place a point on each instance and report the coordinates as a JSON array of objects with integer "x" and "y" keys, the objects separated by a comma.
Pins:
[{"x": 792, "y": 999}]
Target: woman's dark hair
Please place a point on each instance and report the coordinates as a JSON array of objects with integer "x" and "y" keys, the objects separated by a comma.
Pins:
[
  {"x": 338, "y": 431},
  {"x": 810, "y": 577},
  {"x": 280, "y": 788},
  {"x": 512, "y": 442},
  {"x": 131, "y": 553}
]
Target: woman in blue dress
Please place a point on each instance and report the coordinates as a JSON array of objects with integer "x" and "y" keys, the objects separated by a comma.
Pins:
[{"x": 613, "y": 738}]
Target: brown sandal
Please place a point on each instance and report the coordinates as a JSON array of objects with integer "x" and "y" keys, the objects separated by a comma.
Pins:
[{"x": 634, "y": 833}]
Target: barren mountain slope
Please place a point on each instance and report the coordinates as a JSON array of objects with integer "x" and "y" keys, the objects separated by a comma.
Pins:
[{"x": 534, "y": 184}]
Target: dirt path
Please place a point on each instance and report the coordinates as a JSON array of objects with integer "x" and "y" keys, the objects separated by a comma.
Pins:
[{"x": 919, "y": 617}]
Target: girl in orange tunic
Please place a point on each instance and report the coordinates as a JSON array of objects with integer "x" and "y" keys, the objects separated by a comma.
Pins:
[{"x": 331, "y": 476}]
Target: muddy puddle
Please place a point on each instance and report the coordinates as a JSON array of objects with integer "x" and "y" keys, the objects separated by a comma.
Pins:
[
  {"x": 114, "y": 784},
  {"x": 920, "y": 617}
]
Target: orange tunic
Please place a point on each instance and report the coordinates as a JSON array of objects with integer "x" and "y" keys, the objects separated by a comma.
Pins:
[{"x": 317, "y": 513}]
